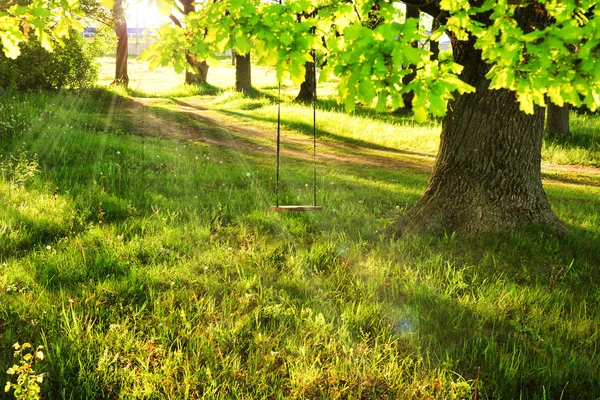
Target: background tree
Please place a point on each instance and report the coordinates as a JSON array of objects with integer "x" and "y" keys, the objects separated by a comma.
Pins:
[
  {"x": 120, "y": 24},
  {"x": 557, "y": 120},
  {"x": 196, "y": 71},
  {"x": 307, "y": 87},
  {"x": 411, "y": 12},
  {"x": 243, "y": 73},
  {"x": 111, "y": 14}
]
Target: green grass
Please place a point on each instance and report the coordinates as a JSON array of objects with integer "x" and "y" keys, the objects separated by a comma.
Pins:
[
  {"x": 582, "y": 147},
  {"x": 150, "y": 268}
]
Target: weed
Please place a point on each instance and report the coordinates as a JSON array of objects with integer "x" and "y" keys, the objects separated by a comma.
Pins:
[
  {"x": 27, "y": 386},
  {"x": 18, "y": 170}
]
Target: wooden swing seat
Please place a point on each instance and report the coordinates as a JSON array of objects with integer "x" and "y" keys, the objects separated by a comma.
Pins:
[{"x": 295, "y": 208}]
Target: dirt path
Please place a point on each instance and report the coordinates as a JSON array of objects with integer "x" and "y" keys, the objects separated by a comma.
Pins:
[{"x": 192, "y": 120}]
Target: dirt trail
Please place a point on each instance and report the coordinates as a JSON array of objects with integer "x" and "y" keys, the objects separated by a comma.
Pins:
[{"x": 192, "y": 120}]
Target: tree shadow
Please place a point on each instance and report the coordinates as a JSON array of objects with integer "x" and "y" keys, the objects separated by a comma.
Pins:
[
  {"x": 307, "y": 129},
  {"x": 514, "y": 347}
]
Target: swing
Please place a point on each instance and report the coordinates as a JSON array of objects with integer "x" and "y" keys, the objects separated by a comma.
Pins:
[{"x": 314, "y": 206}]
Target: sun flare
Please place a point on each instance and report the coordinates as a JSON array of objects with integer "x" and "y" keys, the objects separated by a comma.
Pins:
[{"x": 144, "y": 15}]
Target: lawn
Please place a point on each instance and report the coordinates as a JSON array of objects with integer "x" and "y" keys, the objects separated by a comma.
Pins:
[{"x": 146, "y": 262}]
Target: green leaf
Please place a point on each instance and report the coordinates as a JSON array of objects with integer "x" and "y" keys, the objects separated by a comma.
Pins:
[
  {"x": 366, "y": 90},
  {"x": 420, "y": 114},
  {"x": 242, "y": 44},
  {"x": 437, "y": 34},
  {"x": 46, "y": 42},
  {"x": 10, "y": 47},
  {"x": 41, "y": 12},
  {"x": 382, "y": 100},
  {"x": 286, "y": 38},
  {"x": 62, "y": 28}
]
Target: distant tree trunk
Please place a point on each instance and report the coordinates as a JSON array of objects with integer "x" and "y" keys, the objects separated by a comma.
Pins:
[
  {"x": 233, "y": 57},
  {"x": 121, "y": 76},
  {"x": 196, "y": 73},
  {"x": 486, "y": 177},
  {"x": 411, "y": 12},
  {"x": 557, "y": 120},
  {"x": 243, "y": 79},
  {"x": 307, "y": 88},
  {"x": 434, "y": 46}
]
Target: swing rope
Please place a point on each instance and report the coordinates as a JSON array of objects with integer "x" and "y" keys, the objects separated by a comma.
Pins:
[
  {"x": 314, "y": 206},
  {"x": 314, "y": 71},
  {"x": 278, "y": 141}
]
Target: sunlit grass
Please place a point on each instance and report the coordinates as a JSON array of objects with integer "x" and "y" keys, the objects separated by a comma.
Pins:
[{"x": 150, "y": 268}]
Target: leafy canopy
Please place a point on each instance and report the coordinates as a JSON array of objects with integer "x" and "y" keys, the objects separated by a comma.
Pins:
[
  {"x": 536, "y": 49},
  {"x": 556, "y": 56},
  {"x": 44, "y": 19}
]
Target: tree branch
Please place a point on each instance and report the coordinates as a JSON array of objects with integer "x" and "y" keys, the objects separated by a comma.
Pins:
[
  {"x": 431, "y": 7},
  {"x": 175, "y": 20}
]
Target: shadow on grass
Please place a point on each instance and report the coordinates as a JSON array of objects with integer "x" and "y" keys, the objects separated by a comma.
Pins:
[
  {"x": 307, "y": 128},
  {"x": 520, "y": 354}
]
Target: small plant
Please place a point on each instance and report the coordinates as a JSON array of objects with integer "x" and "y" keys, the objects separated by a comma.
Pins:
[
  {"x": 18, "y": 170},
  {"x": 28, "y": 381}
]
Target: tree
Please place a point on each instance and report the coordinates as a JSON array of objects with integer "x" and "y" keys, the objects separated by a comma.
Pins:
[
  {"x": 307, "y": 87},
  {"x": 508, "y": 56},
  {"x": 411, "y": 12},
  {"x": 557, "y": 120},
  {"x": 487, "y": 173},
  {"x": 243, "y": 73},
  {"x": 196, "y": 71},
  {"x": 120, "y": 21}
]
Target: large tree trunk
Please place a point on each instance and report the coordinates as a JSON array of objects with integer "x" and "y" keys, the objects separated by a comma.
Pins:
[
  {"x": 121, "y": 76},
  {"x": 557, "y": 120},
  {"x": 197, "y": 72},
  {"x": 487, "y": 177},
  {"x": 243, "y": 79},
  {"x": 307, "y": 88}
]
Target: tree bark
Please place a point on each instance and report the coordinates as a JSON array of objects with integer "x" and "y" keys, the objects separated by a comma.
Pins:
[
  {"x": 121, "y": 76},
  {"x": 197, "y": 72},
  {"x": 487, "y": 176},
  {"x": 434, "y": 46},
  {"x": 557, "y": 120},
  {"x": 307, "y": 88},
  {"x": 243, "y": 79}
]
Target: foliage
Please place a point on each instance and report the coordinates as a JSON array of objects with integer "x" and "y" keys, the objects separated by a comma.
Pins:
[
  {"x": 533, "y": 57},
  {"x": 70, "y": 65},
  {"x": 103, "y": 42},
  {"x": 28, "y": 382},
  {"x": 46, "y": 20}
]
